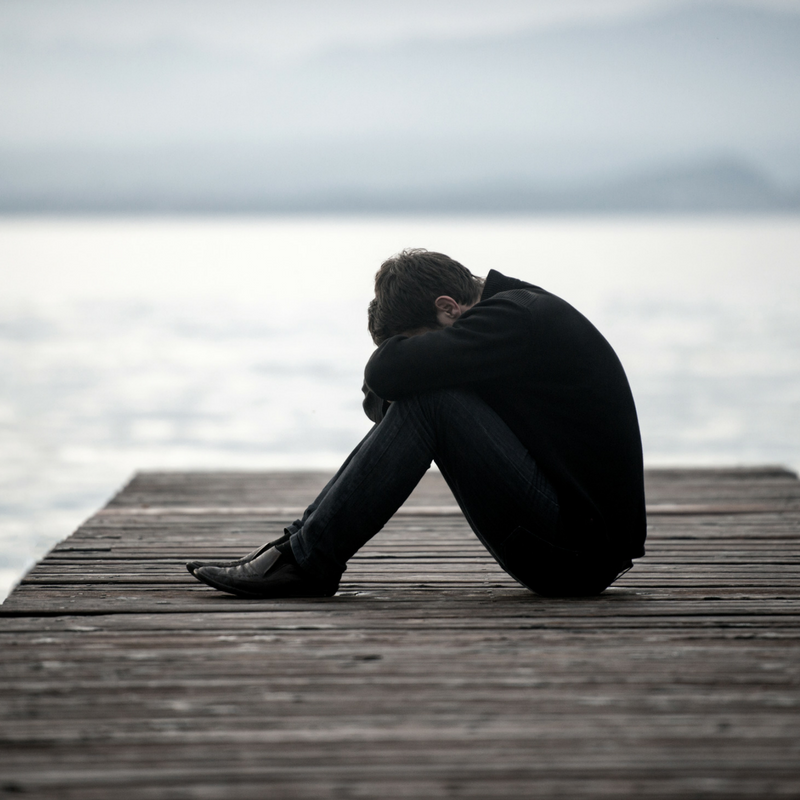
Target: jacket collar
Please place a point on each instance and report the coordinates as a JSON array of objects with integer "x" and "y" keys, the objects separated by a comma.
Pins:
[{"x": 496, "y": 282}]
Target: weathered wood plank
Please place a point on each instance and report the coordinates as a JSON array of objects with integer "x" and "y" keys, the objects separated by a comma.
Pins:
[{"x": 431, "y": 674}]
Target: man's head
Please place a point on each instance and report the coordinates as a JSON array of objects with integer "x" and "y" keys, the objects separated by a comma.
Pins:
[{"x": 412, "y": 290}]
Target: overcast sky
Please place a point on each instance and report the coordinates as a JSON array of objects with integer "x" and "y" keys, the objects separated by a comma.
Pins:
[
  {"x": 295, "y": 28},
  {"x": 317, "y": 95}
]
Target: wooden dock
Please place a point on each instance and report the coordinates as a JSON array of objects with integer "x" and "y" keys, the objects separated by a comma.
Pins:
[{"x": 430, "y": 675}]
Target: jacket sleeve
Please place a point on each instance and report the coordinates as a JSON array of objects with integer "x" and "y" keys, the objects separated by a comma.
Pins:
[
  {"x": 485, "y": 344},
  {"x": 374, "y": 406}
]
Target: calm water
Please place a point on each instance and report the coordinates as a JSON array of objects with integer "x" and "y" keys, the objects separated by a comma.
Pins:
[{"x": 239, "y": 343}]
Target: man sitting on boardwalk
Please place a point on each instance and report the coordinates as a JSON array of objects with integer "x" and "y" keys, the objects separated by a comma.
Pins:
[{"x": 525, "y": 409}]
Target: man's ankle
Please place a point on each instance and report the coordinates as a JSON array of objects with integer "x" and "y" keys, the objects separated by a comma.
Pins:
[{"x": 285, "y": 549}]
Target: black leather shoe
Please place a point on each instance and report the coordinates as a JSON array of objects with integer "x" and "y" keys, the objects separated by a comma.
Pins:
[
  {"x": 193, "y": 565},
  {"x": 269, "y": 574}
]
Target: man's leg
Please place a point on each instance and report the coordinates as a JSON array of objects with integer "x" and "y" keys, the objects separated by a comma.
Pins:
[
  {"x": 507, "y": 500},
  {"x": 511, "y": 505},
  {"x": 263, "y": 573},
  {"x": 498, "y": 484},
  {"x": 293, "y": 527},
  {"x": 299, "y": 523}
]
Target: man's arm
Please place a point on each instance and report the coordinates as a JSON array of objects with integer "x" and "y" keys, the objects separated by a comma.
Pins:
[
  {"x": 486, "y": 343},
  {"x": 374, "y": 406}
]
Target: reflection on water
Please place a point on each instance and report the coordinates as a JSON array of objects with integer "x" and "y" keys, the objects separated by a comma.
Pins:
[{"x": 240, "y": 343}]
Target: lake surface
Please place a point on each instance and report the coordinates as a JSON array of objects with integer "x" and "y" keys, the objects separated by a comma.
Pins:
[{"x": 230, "y": 342}]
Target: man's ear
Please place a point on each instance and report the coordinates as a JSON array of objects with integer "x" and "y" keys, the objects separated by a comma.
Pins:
[
  {"x": 447, "y": 306},
  {"x": 447, "y": 310}
]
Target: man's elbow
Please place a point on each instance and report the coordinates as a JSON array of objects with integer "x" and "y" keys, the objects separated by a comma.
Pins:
[{"x": 382, "y": 381}]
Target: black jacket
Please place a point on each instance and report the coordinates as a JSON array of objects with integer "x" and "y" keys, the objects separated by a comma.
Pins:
[{"x": 556, "y": 382}]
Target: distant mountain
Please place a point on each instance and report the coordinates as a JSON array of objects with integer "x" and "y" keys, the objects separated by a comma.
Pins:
[
  {"x": 580, "y": 118},
  {"x": 710, "y": 186}
]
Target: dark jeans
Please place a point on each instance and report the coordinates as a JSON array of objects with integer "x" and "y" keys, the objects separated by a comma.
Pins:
[{"x": 507, "y": 500}]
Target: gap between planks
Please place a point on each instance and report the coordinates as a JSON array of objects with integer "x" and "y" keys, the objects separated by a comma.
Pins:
[{"x": 657, "y": 509}]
